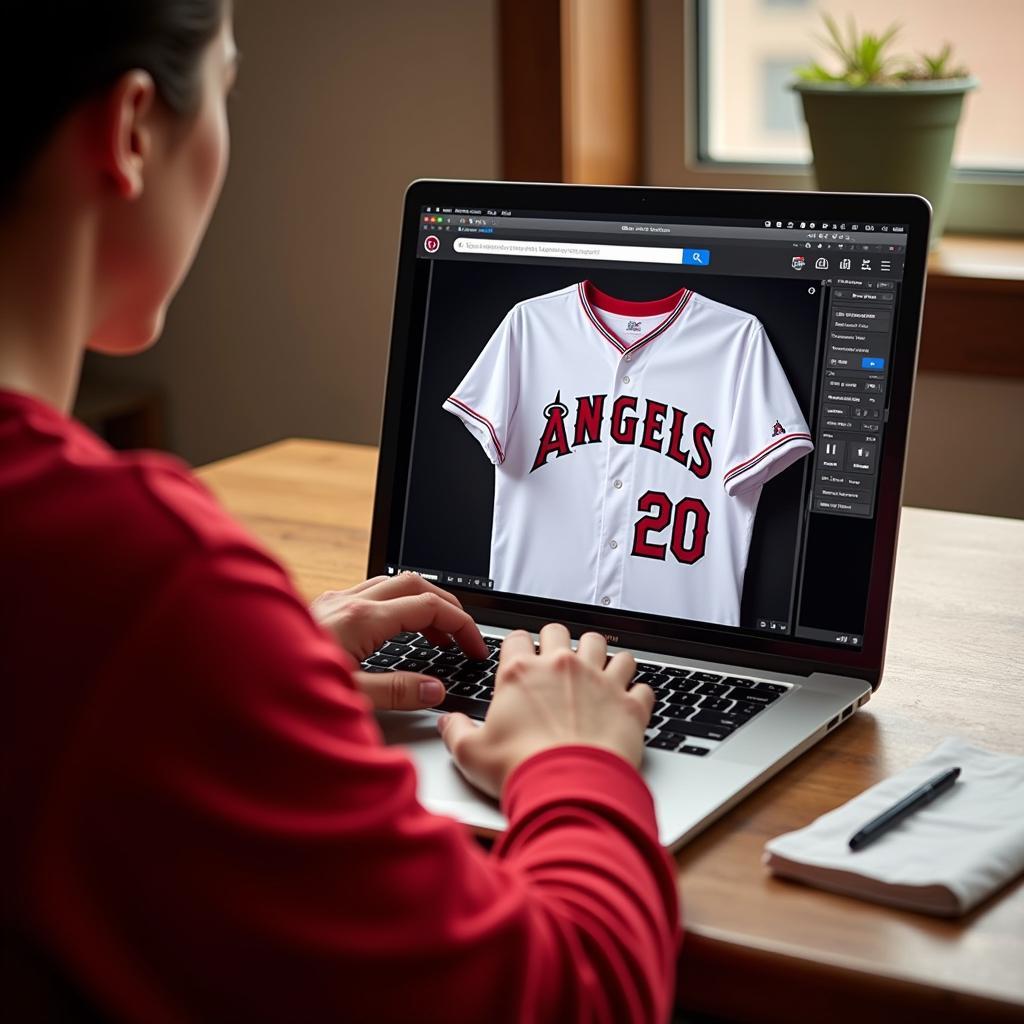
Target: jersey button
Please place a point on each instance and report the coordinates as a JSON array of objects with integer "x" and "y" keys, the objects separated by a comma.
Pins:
[
  {"x": 625, "y": 380},
  {"x": 627, "y": 358},
  {"x": 617, "y": 485},
  {"x": 613, "y": 544},
  {"x": 606, "y": 600}
]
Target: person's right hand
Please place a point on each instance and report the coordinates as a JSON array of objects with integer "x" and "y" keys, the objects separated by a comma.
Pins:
[{"x": 551, "y": 698}]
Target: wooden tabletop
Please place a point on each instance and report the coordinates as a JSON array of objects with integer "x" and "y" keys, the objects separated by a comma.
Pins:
[{"x": 758, "y": 948}]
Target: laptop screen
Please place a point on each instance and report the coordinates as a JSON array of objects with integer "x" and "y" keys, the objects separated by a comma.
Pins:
[{"x": 675, "y": 419}]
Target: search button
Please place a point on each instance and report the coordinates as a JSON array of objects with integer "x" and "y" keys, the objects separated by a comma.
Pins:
[{"x": 697, "y": 257}]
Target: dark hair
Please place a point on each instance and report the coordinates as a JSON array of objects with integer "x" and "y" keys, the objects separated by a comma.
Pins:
[{"x": 56, "y": 55}]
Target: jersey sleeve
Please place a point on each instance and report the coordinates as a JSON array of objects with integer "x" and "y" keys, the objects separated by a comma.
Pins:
[
  {"x": 486, "y": 399},
  {"x": 769, "y": 431}
]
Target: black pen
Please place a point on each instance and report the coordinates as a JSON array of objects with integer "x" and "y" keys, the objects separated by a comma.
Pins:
[{"x": 915, "y": 801}]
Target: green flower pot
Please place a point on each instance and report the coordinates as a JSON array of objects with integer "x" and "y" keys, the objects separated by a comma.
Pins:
[{"x": 885, "y": 138}]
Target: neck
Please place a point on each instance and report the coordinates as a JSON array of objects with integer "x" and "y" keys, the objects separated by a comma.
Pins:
[{"x": 46, "y": 289}]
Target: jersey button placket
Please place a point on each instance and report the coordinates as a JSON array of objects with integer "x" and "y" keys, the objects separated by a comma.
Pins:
[{"x": 619, "y": 499}]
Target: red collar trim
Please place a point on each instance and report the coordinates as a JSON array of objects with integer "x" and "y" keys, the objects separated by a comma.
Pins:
[{"x": 591, "y": 298}]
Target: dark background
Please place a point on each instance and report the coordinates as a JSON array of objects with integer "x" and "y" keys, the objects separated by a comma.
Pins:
[{"x": 451, "y": 482}]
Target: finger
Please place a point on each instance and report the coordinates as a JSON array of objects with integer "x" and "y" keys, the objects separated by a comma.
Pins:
[
  {"x": 461, "y": 736},
  {"x": 404, "y": 584},
  {"x": 518, "y": 644},
  {"x": 593, "y": 649},
  {"x": 400, "y": 691},
  {"x": 554, "y": 637},
  {"x": 425, "y": 611},
  {"x": 622, "y": 668},
  {"x": 365, "y": 585},
  {"x": 437, "y": 638},
  {"x": 644, "y": 696}
]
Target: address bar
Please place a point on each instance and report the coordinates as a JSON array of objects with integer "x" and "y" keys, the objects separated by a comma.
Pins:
[{"x": 569, "y": 250}]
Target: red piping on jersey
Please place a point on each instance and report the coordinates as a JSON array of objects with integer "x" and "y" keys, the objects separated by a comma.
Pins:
[
  {"x": 682, "y": 297},
  {"x": 763, "y": 453},
  {"x": 484, "y": 420}
]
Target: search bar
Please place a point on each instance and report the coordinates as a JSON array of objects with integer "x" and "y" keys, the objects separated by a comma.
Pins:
[{"x": 582, "y": 251}]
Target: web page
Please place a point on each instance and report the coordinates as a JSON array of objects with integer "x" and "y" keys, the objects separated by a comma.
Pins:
[{"x": 680, "y": 420}]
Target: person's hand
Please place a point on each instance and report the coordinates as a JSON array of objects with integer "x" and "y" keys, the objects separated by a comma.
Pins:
[
  {"x": 550, "y": 699},
  {"x": 368, "y": 614}
]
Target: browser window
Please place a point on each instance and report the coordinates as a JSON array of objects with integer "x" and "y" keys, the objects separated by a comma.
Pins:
[{"x": 672, "y": 419}]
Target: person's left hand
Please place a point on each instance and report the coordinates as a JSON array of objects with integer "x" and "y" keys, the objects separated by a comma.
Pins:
[{"x": 363, "y": 617}]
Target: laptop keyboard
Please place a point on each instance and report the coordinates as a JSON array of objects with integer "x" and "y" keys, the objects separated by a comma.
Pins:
[{"x": 694, "y": 710}]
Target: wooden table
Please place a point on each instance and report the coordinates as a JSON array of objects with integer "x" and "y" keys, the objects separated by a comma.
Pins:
[{"x": 758, "y": 948}]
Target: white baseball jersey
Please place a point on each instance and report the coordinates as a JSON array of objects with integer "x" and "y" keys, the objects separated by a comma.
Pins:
[{"x": 630, "y": 442}]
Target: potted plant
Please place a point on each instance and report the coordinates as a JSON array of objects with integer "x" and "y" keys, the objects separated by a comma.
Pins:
[{"x": 883, "y": 123}]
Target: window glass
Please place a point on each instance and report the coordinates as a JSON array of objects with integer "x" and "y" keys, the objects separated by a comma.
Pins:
[{"x": 749, "y": 49}]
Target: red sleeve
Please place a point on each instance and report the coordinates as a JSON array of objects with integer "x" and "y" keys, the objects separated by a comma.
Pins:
[{"x": 229, "y": 840}]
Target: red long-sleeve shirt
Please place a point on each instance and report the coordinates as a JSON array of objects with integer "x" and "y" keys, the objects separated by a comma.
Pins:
[{"x": 200, "y": 820}]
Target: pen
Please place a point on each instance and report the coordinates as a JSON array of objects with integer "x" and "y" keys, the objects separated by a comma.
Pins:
[{"x": 921, "y": 796}]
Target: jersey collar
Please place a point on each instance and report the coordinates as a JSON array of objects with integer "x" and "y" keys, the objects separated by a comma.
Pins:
[{"x": 593, "y": 299}]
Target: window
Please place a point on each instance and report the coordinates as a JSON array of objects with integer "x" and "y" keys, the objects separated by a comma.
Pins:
[
  {"x": 718, "y": 113},
  {"x": 748, "y": 50}
]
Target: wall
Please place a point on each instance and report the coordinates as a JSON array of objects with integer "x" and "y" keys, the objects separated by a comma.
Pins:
[
  {"x": 966, "y": 445},
  {"x": 282, "y": 327}
]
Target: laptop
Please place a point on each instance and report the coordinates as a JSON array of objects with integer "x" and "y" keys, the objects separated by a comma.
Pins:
[{"x": 674, "y": 416}]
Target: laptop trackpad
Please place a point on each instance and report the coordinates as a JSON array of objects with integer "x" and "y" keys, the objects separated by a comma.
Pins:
[{"x": 440, "y": 786}]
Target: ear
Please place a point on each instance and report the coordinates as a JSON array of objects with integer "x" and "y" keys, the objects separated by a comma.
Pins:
[{"x": 127, "y": 135}]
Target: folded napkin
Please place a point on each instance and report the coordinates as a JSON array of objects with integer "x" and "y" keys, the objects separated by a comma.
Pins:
[{"x": 944, "y": 859}]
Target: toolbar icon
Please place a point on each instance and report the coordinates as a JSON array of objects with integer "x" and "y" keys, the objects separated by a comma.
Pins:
[
  {"x": 821, "y": 263},
  {"x": 844, "y": 264}
]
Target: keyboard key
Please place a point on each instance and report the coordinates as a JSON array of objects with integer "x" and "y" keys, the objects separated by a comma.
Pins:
[
  {"x": 403, "y": 638},
  {"x": 737, "y": 681},
  {"x": 754, "y": 696},
  {"x": 377, "y": 668},
  {"x": 382, "y": 660},
  {"x": 451, "y": 659},
  {"x": 744, "y": 708},
  {"x": 712, "y": 689},
  {"x": 464, "y": 689},
  {"x": 486, "y": 692},
  {"x": 469, "y": 675},
  {"x": 714, "y": 718},
  {"x": 663, "y": 742},
  {"x": 716, "y": 704},
  {"x": 706, "y": 677},
  {"x": 700, "y": 729},
  {"x": 674, "y": 670},
  {"x": 422, "y": 641},
  {"x": 442, "y": 672},
  {"x": 647, "y": 666},
  {"x": 493, "y": 642},
  {"x": 467, "y": 705},
  {"x": 698, "y": 751},
  {"x": 412, "y": 665},
  {"x": 708, "y": 732},
  {"x": 479, "y": 666},
  {"x": 649, "y": 678},
  {"x": 770, "y": 687},
  {"x": 401, "y": 650},
  {"x": 680, "y": 698}
]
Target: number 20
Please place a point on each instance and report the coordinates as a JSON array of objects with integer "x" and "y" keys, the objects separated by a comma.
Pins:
[{"x": 658, "y": 505}]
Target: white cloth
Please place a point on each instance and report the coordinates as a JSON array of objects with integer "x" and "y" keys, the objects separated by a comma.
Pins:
[
  {"x": 944, "y": 859},
  {"x": 630, "y": 446}
]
